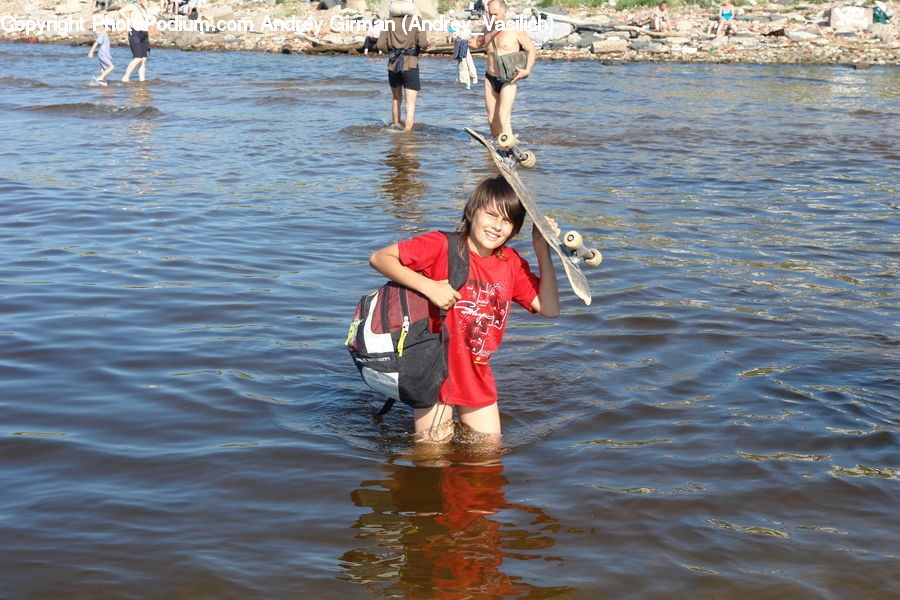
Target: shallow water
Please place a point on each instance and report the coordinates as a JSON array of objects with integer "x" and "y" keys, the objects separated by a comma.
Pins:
[{"x": 181, "y": 259}]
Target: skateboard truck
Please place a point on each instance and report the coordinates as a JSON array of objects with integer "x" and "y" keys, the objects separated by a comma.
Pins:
[
  {"x": 509, "y": 144},
  {"x": 573, "y": 246}
]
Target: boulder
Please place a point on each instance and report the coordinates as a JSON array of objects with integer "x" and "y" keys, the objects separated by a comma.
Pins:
[
  {"x": 218, "y": 12},
  {"x": 68, "y": 8},
  {"x": 427, "y": 8},
  {"x": 549, "y": 31},
  {"x": 850, "y": 17},
  {"x": 357, "y": 5},
  {"x": 605, "y": 46},
  {"x": 587, "y": 40},
  {"x": 802, "y": 36}
]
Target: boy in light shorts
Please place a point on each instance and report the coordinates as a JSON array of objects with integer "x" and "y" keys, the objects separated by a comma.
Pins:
[{"x": 101, "y": 45}]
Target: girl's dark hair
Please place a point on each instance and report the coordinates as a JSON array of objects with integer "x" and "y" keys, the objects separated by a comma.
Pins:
[{"x": 490, "y": 191}]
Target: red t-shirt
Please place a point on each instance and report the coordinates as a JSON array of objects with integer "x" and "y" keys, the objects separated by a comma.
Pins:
[{"x": 477, "y": 320}]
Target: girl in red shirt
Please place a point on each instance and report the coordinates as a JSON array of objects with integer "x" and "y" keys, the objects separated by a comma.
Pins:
[{"x": 477, "y": 313}]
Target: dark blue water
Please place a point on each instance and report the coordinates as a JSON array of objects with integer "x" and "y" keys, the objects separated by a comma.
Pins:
[{"x": 179, "y": 419}]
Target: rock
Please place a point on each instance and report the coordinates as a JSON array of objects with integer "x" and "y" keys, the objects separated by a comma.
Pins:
[
  {"x": 427, "y": 8},
  {"x": 683, "y": 26},
  {"x": 802, "y": 36},
  {"x": 328, "y": 4},
  {"x": 678, "y": 40},
  {"x": 587, "y": 40},
  {"x": 549, "y": 31},
  {"x": 218, "y": 12},
  {"x": 357, "y": 5},
  {"x": 850, "y": 17},
  {"x": 68, "y": 8},
  {"x": 605, "y": 46},
  {"x": 688, "y": 50}
]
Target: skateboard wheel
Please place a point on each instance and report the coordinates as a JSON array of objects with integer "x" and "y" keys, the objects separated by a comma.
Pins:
[
  {"x": 506, "y": 141},
  {"x": 573, "y": 240},
  {"x": 593, "y": 257},
  {"x": 528, "y": 159}
]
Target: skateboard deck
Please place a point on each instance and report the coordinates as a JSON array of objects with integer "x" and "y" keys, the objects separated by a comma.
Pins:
[{"x": 570, "y": 263}]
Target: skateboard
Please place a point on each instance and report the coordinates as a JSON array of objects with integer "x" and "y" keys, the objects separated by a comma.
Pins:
[
  {"x": 571, "y": 250},
  {"x": 508, "y": 143}
]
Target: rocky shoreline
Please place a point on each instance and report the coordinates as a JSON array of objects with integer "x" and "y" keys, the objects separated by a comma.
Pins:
[{"x": 767, "y": 33}]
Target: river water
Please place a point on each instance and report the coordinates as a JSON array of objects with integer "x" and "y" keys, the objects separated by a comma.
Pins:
[{"x": 179, "y": 418}]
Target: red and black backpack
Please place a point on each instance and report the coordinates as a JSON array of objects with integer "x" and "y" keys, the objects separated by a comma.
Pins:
[{"x": 392, "y": 344}]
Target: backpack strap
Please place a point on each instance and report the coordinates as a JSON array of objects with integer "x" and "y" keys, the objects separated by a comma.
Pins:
[{"x": 457, "y": 268}]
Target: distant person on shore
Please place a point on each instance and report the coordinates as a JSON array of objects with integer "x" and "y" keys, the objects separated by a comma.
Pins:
[
  {"x": 138, "y": 16},
  {"x": 101, "y": 45},
  {"x": 510, "y": 57},
  {"x": 660, "y": 19},
  {"x": 726, "y": 14},
  {"x": 403, "y": 41}
]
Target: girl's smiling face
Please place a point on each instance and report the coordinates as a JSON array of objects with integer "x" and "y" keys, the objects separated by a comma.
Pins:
[{"x": 490, "y": 230}]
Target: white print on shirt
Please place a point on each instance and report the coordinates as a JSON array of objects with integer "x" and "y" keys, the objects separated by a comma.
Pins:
[{"x": 478, "y": 317}]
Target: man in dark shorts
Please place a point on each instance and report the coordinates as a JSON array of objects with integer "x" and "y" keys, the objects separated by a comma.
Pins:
[
  {"x": 402, "y": 42},
  {"x": 139, "y": 19},
  {"x": 499, "y": 93}
]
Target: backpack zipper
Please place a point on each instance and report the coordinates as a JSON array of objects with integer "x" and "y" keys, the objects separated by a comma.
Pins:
[{"x": 403, "y": 333}]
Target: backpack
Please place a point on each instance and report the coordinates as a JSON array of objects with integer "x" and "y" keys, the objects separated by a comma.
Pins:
[{"x": 391, "y": 342}]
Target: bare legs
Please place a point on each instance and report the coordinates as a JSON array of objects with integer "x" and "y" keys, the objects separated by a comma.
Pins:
[
  {"x": 499, "y": 107},
  {"x": 435, "y": 424},
  {"x": 397, "y": 94},
  {"x": 141, "y": 63},
  {"x": 104, "y": 73}
]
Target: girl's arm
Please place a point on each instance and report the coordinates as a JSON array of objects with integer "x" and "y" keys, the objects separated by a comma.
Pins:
[
  {"x": 387, "y": 262},
  {"x": 91, "y": 51},
  {"x": 547, "y": 301}
]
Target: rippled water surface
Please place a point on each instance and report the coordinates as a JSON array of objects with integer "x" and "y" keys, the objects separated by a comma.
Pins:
[{"x": 179, "y": 418}]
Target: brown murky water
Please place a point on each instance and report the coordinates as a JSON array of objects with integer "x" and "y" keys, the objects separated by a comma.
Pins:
[{"x": 180, "y": 261}]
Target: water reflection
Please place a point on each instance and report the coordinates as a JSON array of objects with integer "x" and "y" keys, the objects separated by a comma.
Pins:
[
  {"x": 434, "y": 531},
  {"x": 402, "y": 187},
  {"x": 138, "y": 172}
]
